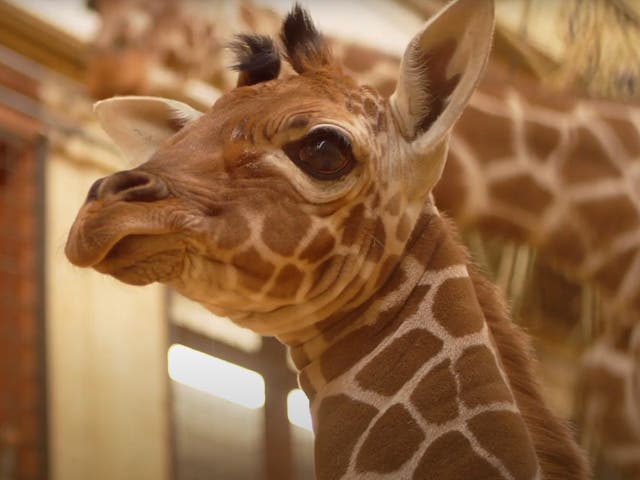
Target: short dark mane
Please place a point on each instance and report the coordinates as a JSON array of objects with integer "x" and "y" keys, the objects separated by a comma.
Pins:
[
  {"x": 257, "y": 58},
  {"x": 305, "y": 47}
]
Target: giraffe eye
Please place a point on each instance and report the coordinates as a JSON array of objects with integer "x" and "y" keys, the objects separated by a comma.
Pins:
[{"x": 324, "y": 153}]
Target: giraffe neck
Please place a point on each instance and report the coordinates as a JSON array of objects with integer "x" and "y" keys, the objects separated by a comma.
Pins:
[
  {"x": 549, "y": 170},
  {"x": 418, "y": 371}
]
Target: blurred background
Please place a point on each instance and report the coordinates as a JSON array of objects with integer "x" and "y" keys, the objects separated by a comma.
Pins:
[{"x": 99, "y": 380}]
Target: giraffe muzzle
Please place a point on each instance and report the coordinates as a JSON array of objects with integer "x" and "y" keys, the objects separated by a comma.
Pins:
[{"x": 129, "y": 186}]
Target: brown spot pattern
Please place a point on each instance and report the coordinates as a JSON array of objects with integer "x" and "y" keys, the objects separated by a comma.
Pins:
[
  {"x": 539, "y": 96},
  {"x": 588, "y": 160},
  {"x": 404, "y": 228},
  {"x": 287, "y": 282},
  {"x": 502, "y": 225},
  {"x": 370, "y": 108},
  {"x": 358, "y": 58},
  {"x": 435, "y": 396},
  {"x": 319, "y": 247},
  {"x": 447, "y": 253},
  {"x": 613, "y": 272},
  {"x": 283, "y": 229},
  {"x": 612, "y": 423},
  {"x": 352, "y": 224},
  {"x": 387, "y": 267},
  {"x": 354, "y": 106},
  {"x": 420, "y": 243},
  {"x": 298, "y": 122},
  {"x": 341, "y": 421},
  {"x": 489, "y": 134},
  {"x": 523, "y": 191},
  {"x": 375, "y": 203},
  {"x": 388, "y": 371},
  {"x": 440, "y": 461},
  {"x": 480, "y": 379},
  {"x": 381, "y": 122},
  {"x": 608, "y": 218},
  {"x": 299, "y": 356},
  {"x": 235, "y": 230},
  {"x": 541, "y": 139},
  {"x": 378, "y": 242},
  {"x": 456, "y": 307},
  {"x": 325, "y": 274},
  {"x": 504, "y": 435},
  {"x": 415, "y": 300},
  {"x": 393, "y": 205},
  {"x": 306, "y": 386},
  {"x": 256, "y": 271},
  {"x": 451, "y": 191},
  {"x": 386, "y": 86},
  {"x": 565, "y": 243},
  {"x": 627, "y": 133},
  {"x": 392, "y": 441},
  {"x": 345, "y": 353}
]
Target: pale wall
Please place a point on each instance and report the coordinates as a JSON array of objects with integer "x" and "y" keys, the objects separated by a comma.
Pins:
[{"x": 108, "y": 397}]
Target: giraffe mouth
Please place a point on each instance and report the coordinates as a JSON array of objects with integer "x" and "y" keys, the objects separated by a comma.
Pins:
[
  {"x": 99, "y": 235},
  {"x": 140, "y": 259}
]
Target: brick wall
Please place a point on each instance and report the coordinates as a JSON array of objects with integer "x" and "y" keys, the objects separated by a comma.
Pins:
[{"x": 22, "y": 379}]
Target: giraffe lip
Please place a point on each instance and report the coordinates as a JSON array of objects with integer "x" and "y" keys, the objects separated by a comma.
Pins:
[
  {"x": 111, "y": 262},
  {"x": 140, "y": 259},
  {"x": 103, "y": 254},
  {"x": 115, "y": 258},
  {"x": 95, "y": 233}
]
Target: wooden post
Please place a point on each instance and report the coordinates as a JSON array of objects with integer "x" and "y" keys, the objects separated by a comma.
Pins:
[{"x": 277, "y": 437}]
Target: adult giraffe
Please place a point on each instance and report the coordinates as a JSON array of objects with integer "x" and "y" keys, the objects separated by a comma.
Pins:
[{"x": 301, "y": 207}]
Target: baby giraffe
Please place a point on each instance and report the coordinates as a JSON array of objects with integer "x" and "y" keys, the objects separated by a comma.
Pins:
[{"x": 300, "y": 207}]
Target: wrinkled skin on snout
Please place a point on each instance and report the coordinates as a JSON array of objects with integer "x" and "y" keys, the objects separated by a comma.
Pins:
[{"x": 224, "y": 212}]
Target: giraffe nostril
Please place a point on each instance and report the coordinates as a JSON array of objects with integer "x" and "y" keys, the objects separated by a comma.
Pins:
[
  {"x": 127, "y": 181},
  {"x": 93, "y": 191},
  {"x": 149, "y": 192},
  {"x": 130, "y": 186}
]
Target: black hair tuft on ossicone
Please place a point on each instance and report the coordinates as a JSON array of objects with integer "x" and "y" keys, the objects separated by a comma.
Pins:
[
  {"x": 257, "y": 58},
  {"x": 304, "y": 46}
]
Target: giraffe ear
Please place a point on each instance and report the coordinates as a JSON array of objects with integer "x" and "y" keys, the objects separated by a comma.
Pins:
[
  {"x": 440, "y": 69},
  {"x": 138, "y": 125}
]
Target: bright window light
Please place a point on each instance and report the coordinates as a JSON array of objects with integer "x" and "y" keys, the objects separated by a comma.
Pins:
[
  {"x": 298, "y": 409},
  {"x": 216, "y": 376}
]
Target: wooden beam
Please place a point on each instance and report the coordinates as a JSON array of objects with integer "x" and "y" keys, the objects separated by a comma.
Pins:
[
  {"x": 42, "y": 42},
  {"x": 269, "y": 362},
  {"x": 277, "y": 433}
]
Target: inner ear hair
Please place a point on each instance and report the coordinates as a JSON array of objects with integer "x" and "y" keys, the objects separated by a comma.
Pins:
[
  {"x": 257, "y": 59},
  {"x": 178, "y": 118},
  {"x": 437, "y": 89}
]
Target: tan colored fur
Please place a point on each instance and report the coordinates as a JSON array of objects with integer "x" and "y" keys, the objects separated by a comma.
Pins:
[{"x": 242, "y": 210}]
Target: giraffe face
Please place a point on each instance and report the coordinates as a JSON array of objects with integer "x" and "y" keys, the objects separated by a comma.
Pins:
[
  {"x": 251, "y": 213},
  {"x": 290, "y": 199}
]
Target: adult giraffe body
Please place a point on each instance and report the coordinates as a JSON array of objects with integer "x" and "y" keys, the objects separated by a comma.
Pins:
[{"x": 301, "y": 207}]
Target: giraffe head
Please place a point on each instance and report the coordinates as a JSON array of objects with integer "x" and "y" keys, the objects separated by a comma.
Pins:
[{"x": 291, "y": 198}]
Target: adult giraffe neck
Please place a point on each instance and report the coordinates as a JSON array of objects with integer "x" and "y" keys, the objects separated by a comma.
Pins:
[
  {"x": 418, "y": 371},
  {"x": 548, "y": 171}
]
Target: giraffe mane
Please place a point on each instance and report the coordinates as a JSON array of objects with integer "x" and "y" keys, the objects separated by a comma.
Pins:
[
  {"x": 305, "y": 47},
  {"x": 257, "y": 58}
]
